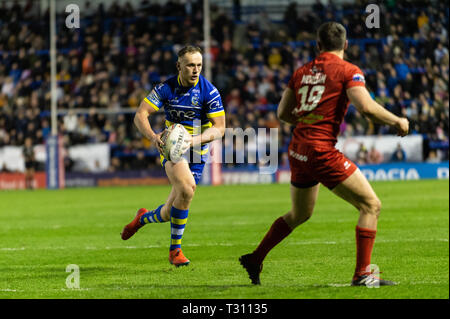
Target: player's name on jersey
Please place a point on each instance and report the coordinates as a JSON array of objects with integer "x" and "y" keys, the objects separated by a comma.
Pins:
[{"x": 314, "y": 79}]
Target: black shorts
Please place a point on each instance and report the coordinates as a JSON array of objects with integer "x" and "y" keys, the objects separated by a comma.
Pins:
[{"x": 30, "y": 165}]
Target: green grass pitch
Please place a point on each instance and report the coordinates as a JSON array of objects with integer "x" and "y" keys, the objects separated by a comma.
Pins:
[{"x": 44, "y": 231}]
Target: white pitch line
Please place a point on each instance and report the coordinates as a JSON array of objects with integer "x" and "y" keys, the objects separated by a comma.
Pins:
[
  {"x": 296, "y": 243},
  {"x": 337, "y": 285},
  {"x": 332, "y": 285}
]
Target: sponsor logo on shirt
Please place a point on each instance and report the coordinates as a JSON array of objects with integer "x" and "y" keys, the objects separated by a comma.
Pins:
[
  {"x": 214, "y": 105},
  {"x": 302, "y": 158},
  {"x": 181, "y": 115},
  {"x": 154, "y": 97}
]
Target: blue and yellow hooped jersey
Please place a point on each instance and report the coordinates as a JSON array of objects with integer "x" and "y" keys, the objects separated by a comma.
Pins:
[
  {"x": 187, "y": 105},
  {"x": 190, "y": 106}
]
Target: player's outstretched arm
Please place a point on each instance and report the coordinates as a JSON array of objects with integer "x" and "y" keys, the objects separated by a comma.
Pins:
[
  {"x": 216, "y": 131},
  {"x": 286, "y": 106},
  {"x": 364, "y": 103},
  {"x": 143, "y": 125}
]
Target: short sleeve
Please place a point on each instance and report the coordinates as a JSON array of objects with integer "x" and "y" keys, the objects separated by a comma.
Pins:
[
  {"x": 213, "y": 101},
  {"x": 353, "y": 76},
  {"x": 156, "y": 97}
]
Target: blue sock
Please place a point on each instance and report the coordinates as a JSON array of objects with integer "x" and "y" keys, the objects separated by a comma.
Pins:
[
  {"x": 178, "y": 220},
  {"x": 153, "y": 216}
]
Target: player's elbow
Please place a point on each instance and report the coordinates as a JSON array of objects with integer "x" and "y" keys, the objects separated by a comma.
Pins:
[
  {"x": 281, "y": 114},
  {"x": 139, "y": 119},
  {"x": 219, "y": 126},
  {"x": 363, "y": 106},
  {"x": 369, "y": 110},
  {"x": 365, "y": 111},
  {"x": 136, "y": 119},
  {"x": 284, "y": 117},
  {"x": 140, "y": 115},
  {"x": 361, "y": 99},
  {"x": 221, "y": 131},
  {"x": 368, "y": 107}
]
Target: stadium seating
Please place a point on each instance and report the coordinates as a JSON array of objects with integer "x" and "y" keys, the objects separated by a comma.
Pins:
[{"x": 111, "y": 63}]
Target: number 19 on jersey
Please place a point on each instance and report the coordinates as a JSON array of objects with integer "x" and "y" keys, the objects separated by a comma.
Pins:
[{"x": 309, "y": 98}]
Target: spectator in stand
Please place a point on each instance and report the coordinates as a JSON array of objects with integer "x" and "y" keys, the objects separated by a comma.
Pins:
[
  {"x": 399, "y": 154},
  {"x": 115, "y": 165},
  {"x": 374, "y": 156},
  {"x": 140, "y": 162},
  {"x": 406, "y": 64},
  {"x": 433, "y": 157},
  {"x": 362, "y": 154},
  {"x": 30, "y": 163},
  {"x": 290, "y": 18}
]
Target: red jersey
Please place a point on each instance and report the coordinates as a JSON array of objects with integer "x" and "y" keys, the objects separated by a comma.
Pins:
[{"x": 320, "y": 89}]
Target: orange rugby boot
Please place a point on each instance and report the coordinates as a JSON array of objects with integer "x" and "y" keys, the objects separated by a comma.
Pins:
[
  {"x": 177, "y": 258},
  {"x": 131, "y": 229}
]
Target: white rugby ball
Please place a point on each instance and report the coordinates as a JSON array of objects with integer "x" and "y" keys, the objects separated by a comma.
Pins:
[{"x": 176, "y": 141}]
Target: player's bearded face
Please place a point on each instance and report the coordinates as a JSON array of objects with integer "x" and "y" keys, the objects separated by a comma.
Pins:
[{"x": 189, "y": 68}]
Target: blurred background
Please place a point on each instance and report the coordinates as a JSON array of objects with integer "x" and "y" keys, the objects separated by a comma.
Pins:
[{"x": 124, "y": 48}]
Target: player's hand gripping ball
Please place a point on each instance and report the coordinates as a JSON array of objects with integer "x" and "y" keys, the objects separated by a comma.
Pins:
[{"x": 177, "y": 141}]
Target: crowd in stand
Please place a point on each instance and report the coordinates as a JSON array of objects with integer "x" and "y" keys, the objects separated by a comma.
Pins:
[{"x": 120, "y": 52}]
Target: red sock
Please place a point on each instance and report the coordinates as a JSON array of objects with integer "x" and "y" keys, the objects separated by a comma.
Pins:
[
  {"x": 277, "y": 232},
  {"x": 365, "y": 239}
]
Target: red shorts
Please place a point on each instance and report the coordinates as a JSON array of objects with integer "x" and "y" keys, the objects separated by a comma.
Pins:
[{"x": 312, "y": 164}]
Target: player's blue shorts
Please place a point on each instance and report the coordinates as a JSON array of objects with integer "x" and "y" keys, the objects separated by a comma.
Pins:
[{"x": 196, "y": 162}]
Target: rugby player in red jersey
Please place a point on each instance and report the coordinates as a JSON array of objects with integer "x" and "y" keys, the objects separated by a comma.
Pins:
[{"x": 316, "y": 100}]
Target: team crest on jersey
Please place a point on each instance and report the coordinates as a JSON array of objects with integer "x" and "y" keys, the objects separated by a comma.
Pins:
[
  {"x": 194, "y": 100},
  {"x": 315, "y": 69},
  {"x": 357, "y": 77}
]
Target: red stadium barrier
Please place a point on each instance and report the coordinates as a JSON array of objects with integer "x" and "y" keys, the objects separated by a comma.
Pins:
[{"x": 17, "y": 180}]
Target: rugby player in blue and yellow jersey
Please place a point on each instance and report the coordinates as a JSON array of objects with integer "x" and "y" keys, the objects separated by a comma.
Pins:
[{"x": 191, "y": 100}]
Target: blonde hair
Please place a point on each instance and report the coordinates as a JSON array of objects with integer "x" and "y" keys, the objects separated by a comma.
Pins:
[{"x": 189, "y": 49}]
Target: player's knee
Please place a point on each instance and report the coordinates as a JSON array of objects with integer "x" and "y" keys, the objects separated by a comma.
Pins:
[
  {"x": 296, "y": 218},
  {"x": 302, "y": 219},
  {"x": 165, "y": 212},
  {"x": 187, "y": 192},
  {"x": 372, "y": 207},
  {"x": 376, "y": 207}
]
